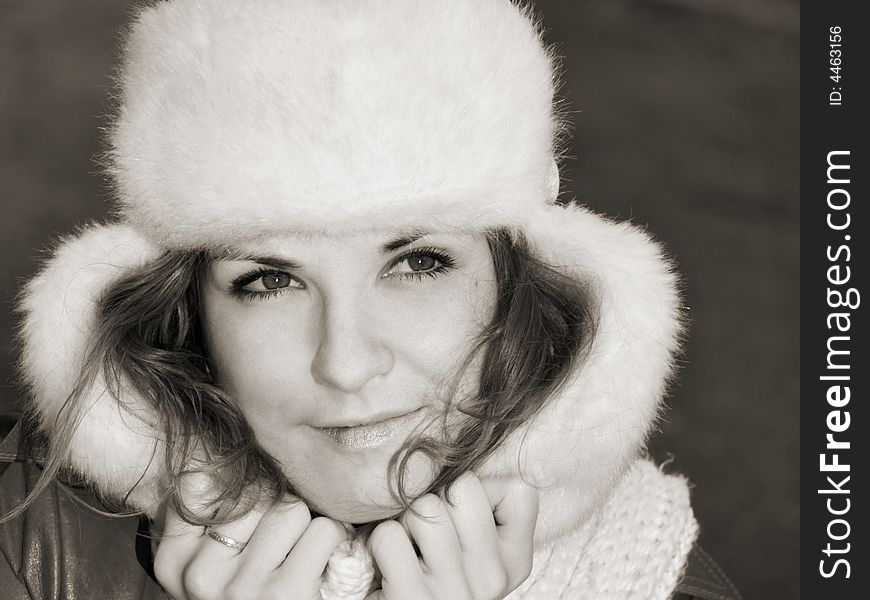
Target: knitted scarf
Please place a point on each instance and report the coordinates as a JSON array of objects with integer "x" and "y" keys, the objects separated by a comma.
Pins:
[{"x": 634, "y": 548}]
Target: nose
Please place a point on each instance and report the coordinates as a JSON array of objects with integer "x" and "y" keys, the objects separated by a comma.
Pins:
[{"x": 352, "y": 349}]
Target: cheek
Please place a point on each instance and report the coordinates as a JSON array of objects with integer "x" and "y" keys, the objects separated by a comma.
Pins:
[
  {"x": 433, "y": 329},
  {"x": 257, "y": 353}
]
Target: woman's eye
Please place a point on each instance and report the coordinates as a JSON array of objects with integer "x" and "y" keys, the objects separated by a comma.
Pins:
[
  {"x": 421, "y": 262},
  {"x": 272, "y": 281},
  {"x": 264, "y": 283}
]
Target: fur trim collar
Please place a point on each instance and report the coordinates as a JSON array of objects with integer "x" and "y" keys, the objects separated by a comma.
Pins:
[{"x": 582, "y": 441}]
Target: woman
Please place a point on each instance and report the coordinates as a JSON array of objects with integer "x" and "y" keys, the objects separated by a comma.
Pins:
[{"x": 340, "y": 286}]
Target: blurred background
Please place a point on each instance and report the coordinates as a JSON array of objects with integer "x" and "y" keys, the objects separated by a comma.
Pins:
[{"x": 686, "y": 121}]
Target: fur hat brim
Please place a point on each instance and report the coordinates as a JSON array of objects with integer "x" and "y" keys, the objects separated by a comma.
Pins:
[{"x": 576, "y": 449}]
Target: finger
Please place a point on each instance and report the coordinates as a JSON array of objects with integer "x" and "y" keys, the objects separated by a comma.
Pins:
[
  {"x": 214, "y": 566},
  {"x": 392, "y": 550},
  {"x": 239, "y": 531},
  {"x": 516, "y": 513},
  {"x": 208, "y": 566},
  {"x": 309, "y": 556},
  {"x": 173, "y": 527},
  {"x": 481, "y": 546},
  {"x": 194, "y": 495},
  {"x": 472, "y": 515},
  {"x": 188, "y": 563},
  {"x": 274, "y": 536},
  {"x": 435, "y": 534},
  {"x": 514, "y": 507},
  {"x": 197, "y": 493},
  {"x": 178, "y": 542}
]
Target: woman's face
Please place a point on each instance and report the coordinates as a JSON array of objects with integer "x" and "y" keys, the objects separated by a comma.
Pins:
[{"x": 337, "y": 348}]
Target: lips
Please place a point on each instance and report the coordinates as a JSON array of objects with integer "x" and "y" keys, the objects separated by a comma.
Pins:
[{"x": 372, "y": 434}]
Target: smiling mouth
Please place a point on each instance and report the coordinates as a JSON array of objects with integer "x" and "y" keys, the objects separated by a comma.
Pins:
[{"x": 370, "y": 435}]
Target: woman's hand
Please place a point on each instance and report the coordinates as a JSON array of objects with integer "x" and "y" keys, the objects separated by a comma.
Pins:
[
  {"x": 479, "y": 549},
  {"x": 285, "y": 555}
]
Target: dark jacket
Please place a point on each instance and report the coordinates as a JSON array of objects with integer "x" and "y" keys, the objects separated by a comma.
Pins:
[{"x": 62, "y": 549}]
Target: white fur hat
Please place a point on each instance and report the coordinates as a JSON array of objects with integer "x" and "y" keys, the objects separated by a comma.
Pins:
[
  {"x": 245, "y": 118},
  {"x": 239, "y": 118}
]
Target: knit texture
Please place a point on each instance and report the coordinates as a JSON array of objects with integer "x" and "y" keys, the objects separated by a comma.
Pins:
[
  {"x": 349, "y": 573},
  {"x": 635, "y": 548}
]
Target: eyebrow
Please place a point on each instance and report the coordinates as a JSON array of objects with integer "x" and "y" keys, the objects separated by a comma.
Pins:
[
  {"x": 403, "y": 240},
  {"x": 269, "y": 261}
]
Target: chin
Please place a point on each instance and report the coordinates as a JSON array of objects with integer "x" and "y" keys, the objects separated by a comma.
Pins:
[
  {"x": 358, "y": 515},
  {"x": 355, "y": 505},
  {"x": 359, "y": 496}
]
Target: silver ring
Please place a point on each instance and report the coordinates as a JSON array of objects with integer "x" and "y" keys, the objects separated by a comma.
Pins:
[{"x": 226, "y": 541}]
